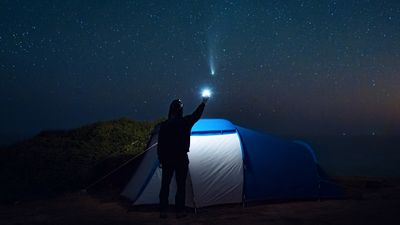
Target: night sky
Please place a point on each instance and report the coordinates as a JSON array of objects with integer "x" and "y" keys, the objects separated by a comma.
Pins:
[{"x": 283, "y": 67}]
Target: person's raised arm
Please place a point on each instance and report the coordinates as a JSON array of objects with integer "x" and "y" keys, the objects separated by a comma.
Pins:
[{"x": 195, "y": 116}]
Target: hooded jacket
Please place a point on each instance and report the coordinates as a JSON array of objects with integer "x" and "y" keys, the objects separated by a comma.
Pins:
[{"x": 174, "y": 136}]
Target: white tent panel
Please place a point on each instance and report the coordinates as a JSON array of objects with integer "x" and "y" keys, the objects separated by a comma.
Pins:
[
  {"x": 216, "y": 169},
  {"x": 151, "y": 192},
  {"x": 215, "y": 174},
  {"x": 139, "y": 178}
]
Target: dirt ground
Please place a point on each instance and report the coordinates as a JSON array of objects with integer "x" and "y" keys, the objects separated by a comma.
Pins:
[{"x": 368, "y": 201}]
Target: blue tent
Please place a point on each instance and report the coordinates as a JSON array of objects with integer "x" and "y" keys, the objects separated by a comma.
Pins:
[{"x": 230, "y": 164}]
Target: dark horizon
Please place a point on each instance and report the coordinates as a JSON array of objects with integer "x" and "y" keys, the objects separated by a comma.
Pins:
[
  {"x": 7, "y": 138},
  {"x": 282, "y": 67}
]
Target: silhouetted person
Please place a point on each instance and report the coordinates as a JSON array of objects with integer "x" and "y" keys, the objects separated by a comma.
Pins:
[{"x": 173, "y": 146}]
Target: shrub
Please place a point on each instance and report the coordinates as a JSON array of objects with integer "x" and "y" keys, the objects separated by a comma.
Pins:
[{"x": 59, "y": 161}]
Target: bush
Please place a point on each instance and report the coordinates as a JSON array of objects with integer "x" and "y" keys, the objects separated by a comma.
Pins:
[{"x": 57, "y": 161}]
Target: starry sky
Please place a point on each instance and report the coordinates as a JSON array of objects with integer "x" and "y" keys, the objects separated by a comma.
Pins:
[{"x": 288, "y": 67}]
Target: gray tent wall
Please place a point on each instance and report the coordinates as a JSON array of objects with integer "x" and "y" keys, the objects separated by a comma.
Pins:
[
  {"x": 148, "y": 165},
  {"x": 215, "y": 173}
]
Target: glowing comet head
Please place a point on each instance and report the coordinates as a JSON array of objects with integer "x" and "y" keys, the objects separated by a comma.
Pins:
[
  {"x": 206, "y": 93},
  {"x": 212, "y": 72}
]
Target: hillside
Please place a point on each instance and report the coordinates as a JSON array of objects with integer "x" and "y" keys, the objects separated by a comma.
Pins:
[{"x": 66, "y": 160}]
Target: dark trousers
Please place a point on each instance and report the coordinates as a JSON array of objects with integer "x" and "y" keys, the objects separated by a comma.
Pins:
[{"x": 180, "y": 167}]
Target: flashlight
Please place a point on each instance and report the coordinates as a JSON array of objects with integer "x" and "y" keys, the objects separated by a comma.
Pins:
[{"x": 206, "y": 93}]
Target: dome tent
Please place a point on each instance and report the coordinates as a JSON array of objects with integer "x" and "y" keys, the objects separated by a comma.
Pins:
[{"x": 232, "y": 164}]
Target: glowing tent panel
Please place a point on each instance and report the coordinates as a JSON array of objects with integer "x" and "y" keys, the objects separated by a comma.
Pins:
[{"x": 216, "y": 169}]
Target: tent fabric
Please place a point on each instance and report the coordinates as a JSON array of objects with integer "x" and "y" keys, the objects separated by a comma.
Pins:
[
  {"x": 211, "y": 182},
  {"x": 140, "y": 178},
  {"x": 150, "y": 194},
  {"x": 213, "y": 126},
  {"x": 327, "y": 187},
  {"x": 216, "y": 169},
  {"x": 232, "y": 164},
  {"x": 277, "y": 169}
]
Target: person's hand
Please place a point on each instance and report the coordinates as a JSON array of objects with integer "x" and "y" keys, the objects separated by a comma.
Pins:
[{"x": 205, "y": 99}]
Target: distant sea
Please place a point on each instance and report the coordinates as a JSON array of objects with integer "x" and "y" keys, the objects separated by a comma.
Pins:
[
  {"x": 358, "y": 155},
  {"x": 7, "y": 139}
]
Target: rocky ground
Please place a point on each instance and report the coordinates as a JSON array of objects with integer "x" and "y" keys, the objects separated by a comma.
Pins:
[{"x": 368, "y": 201}]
